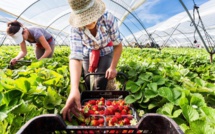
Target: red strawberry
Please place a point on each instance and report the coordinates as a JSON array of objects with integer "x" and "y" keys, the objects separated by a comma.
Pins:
[
  {"x": 130, "y": 131},
  {"x": 124, "y": 131},
  {"x": 124, "y": 112},
  {"x": 112, "y": 132},
  {"x": 94, "y": 123},
  {"x": 121, "y": 108},
  {"x": 102, "y": 112},
  {"x": 108, "y": 111},
  {"x": 92, "y": 102},
  {"x": 126, "y": 121},
  {"x": 91, "y": 132},
  {"x": 126, "y": 107},
  {"x": 114, "y": 120},
  {"x": 91, "y": 112},
  {"x": 108, "y": 103},
  {"x": 115, "y": 108},
  {"x": 102, "y": 99},
  {"x": 139, "y": 132},
  {"x": 101, "y": 120},
  {"x": 118, "y": 115},
  {"x": 95, "y": 108}
]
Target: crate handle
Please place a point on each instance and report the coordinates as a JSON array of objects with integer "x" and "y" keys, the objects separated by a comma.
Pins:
[{"x": 103, "y": 73}]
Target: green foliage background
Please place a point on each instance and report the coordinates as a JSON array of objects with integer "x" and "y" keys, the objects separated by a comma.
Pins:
[{"x": 178, "y": 83}]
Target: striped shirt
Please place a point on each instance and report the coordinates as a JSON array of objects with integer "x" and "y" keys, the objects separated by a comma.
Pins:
[{"x": 82, "y": 41}]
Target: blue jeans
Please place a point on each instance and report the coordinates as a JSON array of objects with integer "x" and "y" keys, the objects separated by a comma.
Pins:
[{"x": 100, "y": 82}]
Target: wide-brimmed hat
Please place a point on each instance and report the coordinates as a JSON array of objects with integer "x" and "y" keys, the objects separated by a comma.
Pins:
[
  {"x": 85, "y": 12},
  {"x": 18, "y": 38}
]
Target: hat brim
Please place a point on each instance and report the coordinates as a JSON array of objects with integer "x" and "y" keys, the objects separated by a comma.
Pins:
[
  {"x": 18, "y": 38},
  {"x": 88, "y": 16}
]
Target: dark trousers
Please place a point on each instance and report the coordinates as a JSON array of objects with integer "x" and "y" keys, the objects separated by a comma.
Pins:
[{"x": 100, "y": 82}]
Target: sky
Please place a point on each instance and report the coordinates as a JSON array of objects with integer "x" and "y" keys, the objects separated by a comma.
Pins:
[{"x": 153, "y": 12}]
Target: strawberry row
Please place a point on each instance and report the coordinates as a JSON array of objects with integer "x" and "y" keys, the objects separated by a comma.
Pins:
[
  {"x": 111, "y": 120},
  {"x": 109, "y": 110},
  {"x": 104, "y": 102}
]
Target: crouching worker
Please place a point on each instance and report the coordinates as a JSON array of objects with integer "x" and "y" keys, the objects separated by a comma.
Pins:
[
  {"x": 95, "y": 44},
  {"x": 45, "y": 43}
]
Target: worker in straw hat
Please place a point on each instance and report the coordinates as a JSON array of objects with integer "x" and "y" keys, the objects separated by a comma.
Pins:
[{"x": 95, "y": 44}]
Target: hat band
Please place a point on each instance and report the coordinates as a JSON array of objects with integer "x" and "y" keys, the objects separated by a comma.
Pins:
[{"x": 85, "y": 8}]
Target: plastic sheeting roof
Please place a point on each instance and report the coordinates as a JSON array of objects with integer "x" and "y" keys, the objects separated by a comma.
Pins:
[
  {"x": 53, "y": 15},
  {"x": 178, "y": 30}
]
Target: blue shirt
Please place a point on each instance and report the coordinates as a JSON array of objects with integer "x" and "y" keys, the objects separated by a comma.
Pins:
[{"x": 82, "y": 41}]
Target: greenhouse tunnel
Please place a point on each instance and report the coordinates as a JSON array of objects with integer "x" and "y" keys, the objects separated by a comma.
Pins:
[
  {"x": 53, "y": 17},
  {"x": 168, "y": 48}
]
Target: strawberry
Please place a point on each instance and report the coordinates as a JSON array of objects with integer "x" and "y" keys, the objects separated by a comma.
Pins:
[
  {"x": 139, "y": 132},
  {"x": 114, "y": 120},
  {"x": 102, "y": 99},
  {"x": 126, "y": 107},
  {"x": 112, "y": 132},
  {"x": 101, "y": 112},
  {"x": 108, "y": 103},
  {"x": 130, "y": 131},
  {"x": 95, "y": 108},
  {"x": 108, "y": 118},
  {"x": 94, "y": 123},
  {"x": 101, "y": 120},
  {"x": 91, "y": 132},
  {"x": 126, "y": 121},
  {"x": 92, "y": 102},
  {"x": 91, "y": 112},
  {"x": 115, "y": 108},
  {"x": 121, "y": 108},
  {"x": 108, "y": 111},
  {"x": 118, "y": 115},
  {"x": 124, "y": 131},
  {"x": 124, "y": 112}
]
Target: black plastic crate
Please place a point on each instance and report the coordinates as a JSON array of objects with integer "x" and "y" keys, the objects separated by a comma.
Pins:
[
  {"x": 54, "y": 124},
  {"x": 148, "y": 124}
]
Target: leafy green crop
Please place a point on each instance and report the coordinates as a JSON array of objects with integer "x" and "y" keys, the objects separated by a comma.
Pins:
[{"x": 178, "y": 83}]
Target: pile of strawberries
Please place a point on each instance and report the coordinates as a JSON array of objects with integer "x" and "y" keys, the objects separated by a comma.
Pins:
[{"x": 106, "y": 112}]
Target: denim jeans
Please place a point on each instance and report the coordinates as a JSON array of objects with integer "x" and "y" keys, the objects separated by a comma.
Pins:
[{"x": 100, "y": 82}]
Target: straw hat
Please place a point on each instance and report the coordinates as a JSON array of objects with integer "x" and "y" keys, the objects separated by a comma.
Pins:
[{"x": 85, "y": 12}]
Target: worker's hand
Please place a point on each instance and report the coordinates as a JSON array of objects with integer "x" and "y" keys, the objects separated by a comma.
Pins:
[
  {"x": 111, "y": 73},
  {"x": 73, "y": 105},
  {"x": 13, "y": 61}
]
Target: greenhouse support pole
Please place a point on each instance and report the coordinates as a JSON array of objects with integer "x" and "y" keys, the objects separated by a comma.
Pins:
[
  {"x": 131, "y": 33},
  {"x": 136, "y": 19},
  {"x": 170, "y": 35},
  {"x": 182, "y": 3}
]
